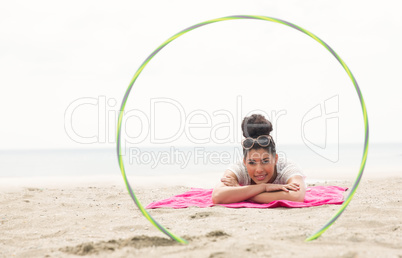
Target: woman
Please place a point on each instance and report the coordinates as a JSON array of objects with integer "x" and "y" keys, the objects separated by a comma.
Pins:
[{"x": 259, "y": 177}]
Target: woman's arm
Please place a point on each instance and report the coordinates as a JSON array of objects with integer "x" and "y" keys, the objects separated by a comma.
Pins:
[
  {"x": 231, "y": 194},
  {"x": 229, "y": 190},
  {"x": 295, "y": 196}
]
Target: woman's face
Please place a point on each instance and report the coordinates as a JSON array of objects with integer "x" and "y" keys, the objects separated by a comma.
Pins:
[{"x": 260, "y": 165}]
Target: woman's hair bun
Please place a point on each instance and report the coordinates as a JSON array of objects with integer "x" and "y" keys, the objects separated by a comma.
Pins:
[{"x": 255, "y": 125}]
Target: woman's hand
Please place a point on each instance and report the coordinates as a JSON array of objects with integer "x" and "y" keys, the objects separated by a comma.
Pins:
[
  {"x": 275, "y": 187},
  {"x": 229, "y": 181}
]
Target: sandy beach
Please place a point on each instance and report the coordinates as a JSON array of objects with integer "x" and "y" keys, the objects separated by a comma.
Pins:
[{"x": 69, "y": 217}]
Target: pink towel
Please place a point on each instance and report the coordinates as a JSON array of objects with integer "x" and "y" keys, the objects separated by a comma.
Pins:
[{"x": 315, "y": 196}]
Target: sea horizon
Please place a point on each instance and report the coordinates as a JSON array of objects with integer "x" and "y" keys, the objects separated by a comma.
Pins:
[{"x": 384, "y": 159}]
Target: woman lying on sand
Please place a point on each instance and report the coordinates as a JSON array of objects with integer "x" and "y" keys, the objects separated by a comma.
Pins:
[{"x": 259, "y": 177}]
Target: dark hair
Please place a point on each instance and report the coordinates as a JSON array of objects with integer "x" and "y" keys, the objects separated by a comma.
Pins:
[{"x": 254, "y": 126}]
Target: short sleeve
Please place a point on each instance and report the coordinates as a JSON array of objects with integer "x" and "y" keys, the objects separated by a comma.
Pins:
[
  {"x": 240, "y": 171},
  {"x": 286, "y": 170}
]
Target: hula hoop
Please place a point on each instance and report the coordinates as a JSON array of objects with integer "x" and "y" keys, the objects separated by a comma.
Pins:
[{"x": 235, "y": 17}]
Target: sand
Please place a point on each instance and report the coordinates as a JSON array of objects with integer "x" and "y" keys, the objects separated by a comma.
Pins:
[{"x": 81, "y": 217}]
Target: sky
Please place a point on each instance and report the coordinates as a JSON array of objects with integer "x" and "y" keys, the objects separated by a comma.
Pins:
[{"x": 65, "y": 68}]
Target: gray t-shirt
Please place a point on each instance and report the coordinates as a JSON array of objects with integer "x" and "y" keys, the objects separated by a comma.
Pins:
[{"x": 285, "y": 171}]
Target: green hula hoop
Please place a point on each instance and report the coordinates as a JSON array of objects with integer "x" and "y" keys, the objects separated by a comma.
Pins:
[{"x": 236, "y": 17}]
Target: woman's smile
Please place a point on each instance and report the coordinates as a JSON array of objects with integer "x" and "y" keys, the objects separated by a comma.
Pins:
[{"x": 261, "y": 177}]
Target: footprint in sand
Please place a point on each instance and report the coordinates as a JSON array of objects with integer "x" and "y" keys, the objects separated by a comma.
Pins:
[
  {"x": 200, "y": 215},
  {"x": 217, "y": 233},
  {"x": 104, "y": 247},
  {"x": 218, "y": 255}
]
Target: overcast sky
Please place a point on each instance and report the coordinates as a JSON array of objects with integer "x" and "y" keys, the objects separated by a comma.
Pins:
[{"x": 64, "y": 69}]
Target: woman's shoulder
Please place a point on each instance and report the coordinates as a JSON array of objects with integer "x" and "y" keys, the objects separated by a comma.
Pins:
[
  {"x": 240, "y": 170},
  {"x": 286, "y": 169},
  {"x": 287, "y": 164},
  {"x": 237, "y": 166}
]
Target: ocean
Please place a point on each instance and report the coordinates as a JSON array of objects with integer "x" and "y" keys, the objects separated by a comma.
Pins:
[{"x": 333, "y": 162}]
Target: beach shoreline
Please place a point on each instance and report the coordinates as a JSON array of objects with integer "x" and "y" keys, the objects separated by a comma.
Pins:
[{"x": 67, "y": 217}]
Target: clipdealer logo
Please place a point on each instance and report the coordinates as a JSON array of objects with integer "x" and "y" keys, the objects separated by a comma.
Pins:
[
  {"x": 319, "y": 126},
  {"x": 218, "y": 120}
]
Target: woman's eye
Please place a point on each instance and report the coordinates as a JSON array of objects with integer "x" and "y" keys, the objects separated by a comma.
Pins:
[
  {"x": 251, "y": 162},
  {"x": 265, "y": 161}
]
